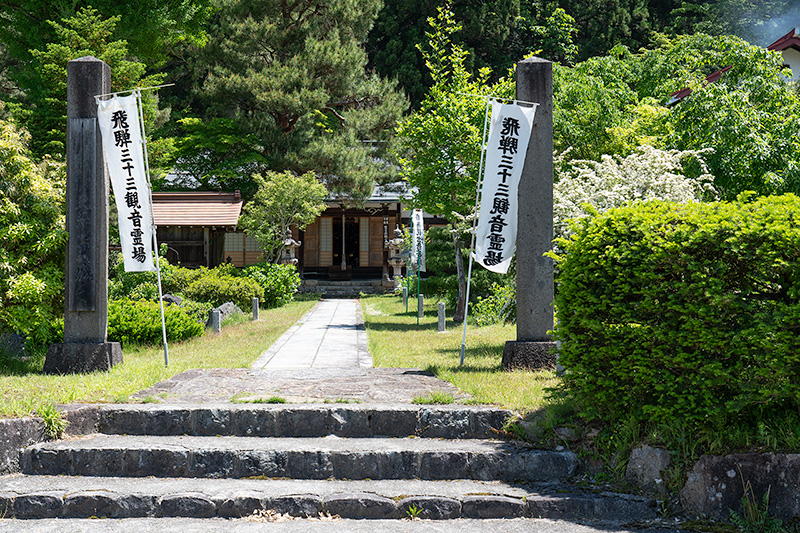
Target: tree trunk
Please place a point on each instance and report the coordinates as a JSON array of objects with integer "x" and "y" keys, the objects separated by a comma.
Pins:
[{"x": 462, "y": 279}]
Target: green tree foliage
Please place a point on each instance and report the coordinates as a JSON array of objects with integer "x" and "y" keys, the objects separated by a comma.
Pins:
[
  {"x": 292, "y": 76},
  {"x": 149, "y": 26},
  {"x": 750, "y": 117},
  {"x": 495, "y": 34},
  {"x": 442, "y": 140},
  {"x": 32, "y": 239},
  {"x": 84, "y": 34},
  {"x": 283, "y": 199},
  {"x": 602, "y": 25},
  {"x": 747, "y": 121}
]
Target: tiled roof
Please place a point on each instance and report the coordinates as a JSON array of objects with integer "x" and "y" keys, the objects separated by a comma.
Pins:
[
  {"x": 790, "y": 40},
  {"x": 197, "y": 208}
]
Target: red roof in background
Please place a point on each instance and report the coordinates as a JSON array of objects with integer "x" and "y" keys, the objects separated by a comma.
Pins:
[
  {"x": 790, "y": 40},
  {"x": 197, "y": 208},
  {"x": 677, "y": 96}
]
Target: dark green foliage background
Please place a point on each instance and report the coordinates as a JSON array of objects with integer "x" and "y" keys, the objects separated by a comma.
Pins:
[{"x": 685, "y": 313}]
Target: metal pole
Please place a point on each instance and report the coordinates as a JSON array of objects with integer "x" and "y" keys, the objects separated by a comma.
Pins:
[
  {"x": 472, "y": 240},
  {"x": 154, "y": 228}
]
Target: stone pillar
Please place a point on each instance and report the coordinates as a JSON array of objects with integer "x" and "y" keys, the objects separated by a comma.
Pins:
[
  {"x": 442, "y": 317},
  {"x": 85, "y": 347},
  {"x": 255, "y": 308},
  {"x": 420, "y": 306},
  {"x": 534, "y": 347}
]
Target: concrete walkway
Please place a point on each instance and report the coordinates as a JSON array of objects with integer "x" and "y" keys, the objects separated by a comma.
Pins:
[{"x": 331, "y": 335}]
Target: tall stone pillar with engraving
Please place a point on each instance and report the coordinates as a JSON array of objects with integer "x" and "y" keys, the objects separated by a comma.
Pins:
[
  {"x": 85, "y": 347},
  {"x": 534, "y": 348}
]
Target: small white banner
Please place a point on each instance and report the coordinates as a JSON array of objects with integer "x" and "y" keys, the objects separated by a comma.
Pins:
[
  {"x": 496, "y": 237},
  {"x": 418, "y": 240},
  {"x": 122, "y": 147}
]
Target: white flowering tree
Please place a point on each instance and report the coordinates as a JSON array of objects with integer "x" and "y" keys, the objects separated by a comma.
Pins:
[{"x": 583, "y": 187}]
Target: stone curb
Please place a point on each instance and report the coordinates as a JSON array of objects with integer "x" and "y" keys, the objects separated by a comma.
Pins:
[
  {"x": 303, "y": 421},
  {"x": 346, "y": 505}
]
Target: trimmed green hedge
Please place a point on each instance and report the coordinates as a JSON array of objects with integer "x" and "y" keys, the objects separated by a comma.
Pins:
[
  {"x": 139, "y": 322},
  {"x": 683, "y": 312}
]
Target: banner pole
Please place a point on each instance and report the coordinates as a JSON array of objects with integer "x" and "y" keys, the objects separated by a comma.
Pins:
[
  {"x": 154, "y": 228},
  {"x": 474, "y": 223}
]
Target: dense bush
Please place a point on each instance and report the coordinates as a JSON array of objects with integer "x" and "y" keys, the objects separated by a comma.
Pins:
[
  {"x": 32, "y": 240},
  {"x": 279, "y": 282},
  {"x": 499, "y": 306},
  {"x": 217, "y": 289},
  {"x": 139, "y": 322},
  {"x": 686, "y": 313}
]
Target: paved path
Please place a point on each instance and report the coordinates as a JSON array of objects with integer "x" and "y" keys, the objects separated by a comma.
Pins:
[{"x": 331, "y": 335}]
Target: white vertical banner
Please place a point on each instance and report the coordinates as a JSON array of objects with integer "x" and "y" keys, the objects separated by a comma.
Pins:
[
  {"x": 122, "y": 146},
  {"x": 418, "y": 240},
  {"x": 496, "y": 232}
]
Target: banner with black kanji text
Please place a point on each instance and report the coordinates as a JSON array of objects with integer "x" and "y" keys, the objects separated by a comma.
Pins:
[
  {"x": 418, "y": 240},
  {"x": 122, "y": 147},
  {"x": 496, "y": 231}
]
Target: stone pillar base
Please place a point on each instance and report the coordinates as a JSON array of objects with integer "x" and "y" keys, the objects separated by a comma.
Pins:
[
  {"x": 80, "y": 358},
  {"x": 529, "y": 355}
]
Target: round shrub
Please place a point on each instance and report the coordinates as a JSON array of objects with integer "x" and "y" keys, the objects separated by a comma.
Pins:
[
  {"x": 279, "y": 282},
  {"x": 683, "y": 312},
  {"x": 139, "y": 322},
  {"x": 216, "y": 290}
]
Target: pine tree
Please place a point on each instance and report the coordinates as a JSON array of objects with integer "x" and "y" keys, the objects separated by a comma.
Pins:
[{"x": 286, "y": 85}]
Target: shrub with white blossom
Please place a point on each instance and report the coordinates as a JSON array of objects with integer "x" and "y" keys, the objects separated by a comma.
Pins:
[{"x": 648, "y": 174}]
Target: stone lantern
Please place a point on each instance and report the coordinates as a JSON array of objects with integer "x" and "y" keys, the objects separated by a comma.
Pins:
[
  {"x": 397, "y": 255},
  {"x": 290, "y": 249}
]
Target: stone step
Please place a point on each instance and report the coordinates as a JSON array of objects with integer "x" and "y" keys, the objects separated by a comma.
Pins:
[
  {"x": 296, "y": 458},
  {"x": 33, "y": 497},
  {"x": 303, "y": 420}
]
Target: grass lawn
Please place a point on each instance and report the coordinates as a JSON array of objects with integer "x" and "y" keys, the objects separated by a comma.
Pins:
[
  {"x": 236, "y": 347},
  {"x": 396, "y": 340}
]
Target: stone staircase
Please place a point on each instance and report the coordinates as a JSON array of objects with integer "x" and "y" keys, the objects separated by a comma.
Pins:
[
  {"x": 343, "y": 289},
  {"x": 351, "y": 460}
]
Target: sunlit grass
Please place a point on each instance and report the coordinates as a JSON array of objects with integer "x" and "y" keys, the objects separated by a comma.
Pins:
[
  {"x": 396, "y": 340},
  {"x": 236, "y": 346}
]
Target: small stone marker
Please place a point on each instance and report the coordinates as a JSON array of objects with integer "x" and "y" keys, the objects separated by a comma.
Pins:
[
  {"x": 255, "y": 308},
  {"x": 421, "y": 304},
  {"x": 405, "y": 297},
  {"x": 216, "y": 320},
  {"x": 441, "y": 317}
]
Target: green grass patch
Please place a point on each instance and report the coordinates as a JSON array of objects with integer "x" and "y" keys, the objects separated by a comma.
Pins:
[
  {"x": 24, "y": 389},
  {"x": 434, "y": 398},
  {"x": 395, "y": 340}
]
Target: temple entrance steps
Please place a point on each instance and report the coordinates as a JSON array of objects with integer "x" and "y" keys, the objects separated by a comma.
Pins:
[
  {"x": 227, "y": 461},
  {"x": 345, "y": 289}
]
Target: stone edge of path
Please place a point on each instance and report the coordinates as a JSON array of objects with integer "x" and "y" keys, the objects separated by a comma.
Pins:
[{"x": 19, "y": 433}]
